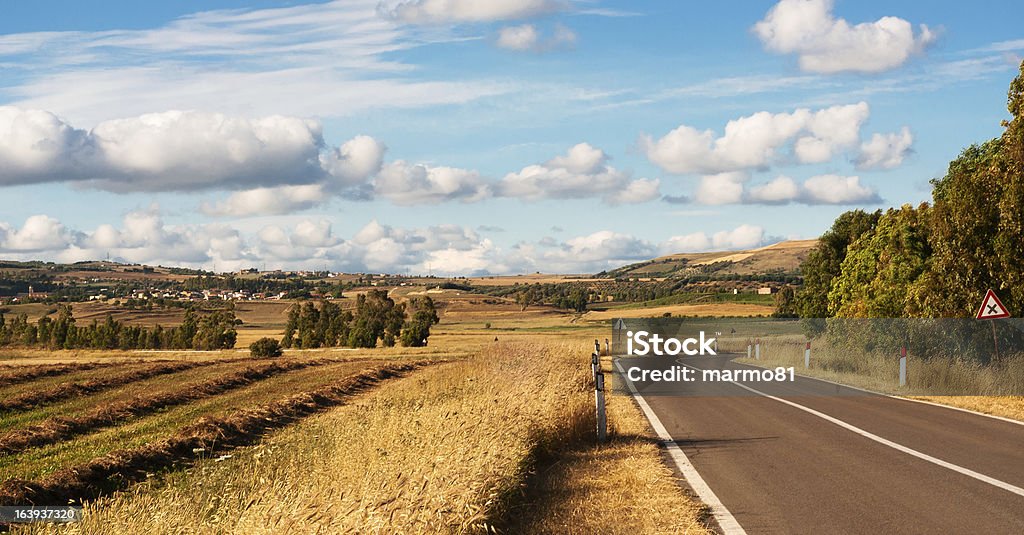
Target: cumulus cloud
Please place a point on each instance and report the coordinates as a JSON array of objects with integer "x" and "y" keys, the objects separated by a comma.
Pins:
[
  {"x": 826, "y": 44},
  {"x": 38, "y": 233},
  {"x": 407, "y": 184},
  {"x": 144, "y": 237},
  {"x": 178, "y": 151},
  {"x": 440, "y": 11},
  {"x": 742, "y": 237},
  {"x": 527, "y": 38},
  {"x": 835, "y": 189},
  {"x": 754, "y": 141},
  {"x": 732, "y": 188},
  {"x": 268, "y": 201},
  {"x": 885, "y": 151},
  {"x": 582, "y": 172}
]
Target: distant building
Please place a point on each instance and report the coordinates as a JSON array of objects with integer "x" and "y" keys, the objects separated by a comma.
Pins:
[{"x": 767, "y": 290}]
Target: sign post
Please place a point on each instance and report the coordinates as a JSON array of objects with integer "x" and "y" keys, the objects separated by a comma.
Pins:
[{"x": 992, "y": 309}]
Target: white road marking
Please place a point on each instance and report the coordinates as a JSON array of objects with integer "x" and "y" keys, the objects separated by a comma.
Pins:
[
  {"x": 899, "y": 447},
  {"x": 725, "y": 520}
]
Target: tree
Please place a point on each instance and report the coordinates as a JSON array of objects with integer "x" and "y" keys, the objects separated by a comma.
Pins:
[
  {"x": 824, "y": 262},
  {"x": 882, "y": 267},
  {"x": 265, "y": 348},
  {"x": 416, "y": 330},
  {"x": 785, "y": 303}
]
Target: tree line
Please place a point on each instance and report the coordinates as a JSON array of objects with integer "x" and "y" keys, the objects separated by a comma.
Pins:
[
  {"x": 377, "y": 318},
  {"x": 204, "y": 332},
  {"x": 936, "y": 259}
]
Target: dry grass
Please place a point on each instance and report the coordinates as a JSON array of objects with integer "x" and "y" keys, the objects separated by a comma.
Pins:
[
  {"x": 961, "y": 380},
  {"x": 450, "y": 449},
  {"x": 622, "y": 487},
  {"x": 1005, "y": 406},
  {"x": 703, "y": 310}
]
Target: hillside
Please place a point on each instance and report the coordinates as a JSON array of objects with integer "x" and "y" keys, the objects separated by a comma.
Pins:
[{"x": 782, "y": 257}]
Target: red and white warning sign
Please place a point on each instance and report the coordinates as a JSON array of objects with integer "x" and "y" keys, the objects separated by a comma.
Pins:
[{"x": 992, "y": 308}]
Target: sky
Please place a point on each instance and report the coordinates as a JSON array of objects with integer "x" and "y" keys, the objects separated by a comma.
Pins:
[{"x": 468, "y": 137}]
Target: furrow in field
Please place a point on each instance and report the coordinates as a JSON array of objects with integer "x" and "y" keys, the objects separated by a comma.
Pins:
[
  {"x": 208, "y": 436},
  {"x": 34, "y": 399},
  {"x": 57, "y": 429},
  {"x": 23, "y": 374}
]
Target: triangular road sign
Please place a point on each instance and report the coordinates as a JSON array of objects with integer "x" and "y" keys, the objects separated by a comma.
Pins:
[
  {"x": 619, "y": 325},
  {"x": 992, "y": 308}
]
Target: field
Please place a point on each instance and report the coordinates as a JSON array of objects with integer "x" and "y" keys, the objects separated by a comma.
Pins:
[{"x": 467, "y": 435}]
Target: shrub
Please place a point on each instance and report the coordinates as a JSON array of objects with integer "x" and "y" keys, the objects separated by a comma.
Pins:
[{"x": 265, "y": 348}]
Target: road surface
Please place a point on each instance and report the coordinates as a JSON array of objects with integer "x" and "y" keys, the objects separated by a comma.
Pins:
[{"x": 813, "y": 457}]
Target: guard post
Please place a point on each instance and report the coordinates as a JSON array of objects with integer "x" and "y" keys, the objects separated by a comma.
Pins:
[
  {"x": 903, "y": 366},
  {"x": 602, "y": 419}
]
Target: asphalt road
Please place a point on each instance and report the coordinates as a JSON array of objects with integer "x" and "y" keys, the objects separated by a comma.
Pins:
[{"x": 839, "y": 460}]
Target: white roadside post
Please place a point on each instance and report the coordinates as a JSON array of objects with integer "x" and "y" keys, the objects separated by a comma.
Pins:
[
  {"x": 607, "y": 347},
  {"x": 807, "y": 356},
  {"x": 903, "y": 366},
  {"x": 748, "y": 350},
  {"x": 597, "y": 346},
  {"x": 595, "y": 365},
  {"x": 757, "y": 350},
  {"x": 602, "y": 419}
]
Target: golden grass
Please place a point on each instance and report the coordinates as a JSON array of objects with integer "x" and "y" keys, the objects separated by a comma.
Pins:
[
  {"x": 703, "y": 310},
  {"x": 621, "y": 487},
  {"x": 449, "y": 449},
  {"x": 1005, "y": 406}
]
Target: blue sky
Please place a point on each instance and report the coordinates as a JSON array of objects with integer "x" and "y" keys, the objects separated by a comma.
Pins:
[{"x": 463, "y": 136}]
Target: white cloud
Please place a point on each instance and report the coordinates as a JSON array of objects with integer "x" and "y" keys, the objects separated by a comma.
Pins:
[
  {"x": 827, "y": 44},
  {"x": 179, "y": 151},
  {"x": 835, "y": 189},
  {"x": 521, "y": 38},
  {"x": 754, "y": 141},
  {"x": 439, "y": 11},
  {"x": 39, "y": 233},
  {"x": 885, "y": 151},
  {"x": 722, "y": 188},
  {"x": 354, "y": 161},
  {"x": 526, "y": 37},
  {"x": 583, "y": 172},
  {"x": 742, "y": 237},
  {"x": 144, "y": 237},
  {"x": 732, "y": 188},
  {"x": 407, "y": 184},
  {"x": 268, "y": 201},
  {"x": 779, "y": 191}
]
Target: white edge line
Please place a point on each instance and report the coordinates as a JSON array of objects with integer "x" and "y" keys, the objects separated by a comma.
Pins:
[
  {"x": 901, "y": 398},
  {"x": 726, "y": 521},
  {"x": 899, "y": 447}
]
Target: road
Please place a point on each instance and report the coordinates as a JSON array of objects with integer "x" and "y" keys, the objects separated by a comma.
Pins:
[{"x": 812, "y": 457}]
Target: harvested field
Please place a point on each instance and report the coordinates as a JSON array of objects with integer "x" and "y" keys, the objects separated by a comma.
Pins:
[
  {"x": 33, "y": 399},
  {"x": 61, "y": 428},
  {"x": 208, "y": 436},
  {"x": 12, "y": 375}
]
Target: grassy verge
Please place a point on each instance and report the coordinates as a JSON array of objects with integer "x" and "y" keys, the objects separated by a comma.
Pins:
[
  {"x": 880, "y": 373},
  {"x": 455, "y": 448},
  {"x": 622, "y": 487}
]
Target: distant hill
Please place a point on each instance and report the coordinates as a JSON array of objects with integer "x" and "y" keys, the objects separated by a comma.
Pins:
[{"x": 783, "y": 257}]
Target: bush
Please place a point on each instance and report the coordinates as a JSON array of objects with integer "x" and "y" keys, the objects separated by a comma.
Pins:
[{"x": 265, "y": 348}]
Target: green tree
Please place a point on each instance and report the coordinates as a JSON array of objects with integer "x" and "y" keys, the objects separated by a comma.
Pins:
[{"x": 825, "y": 260}]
